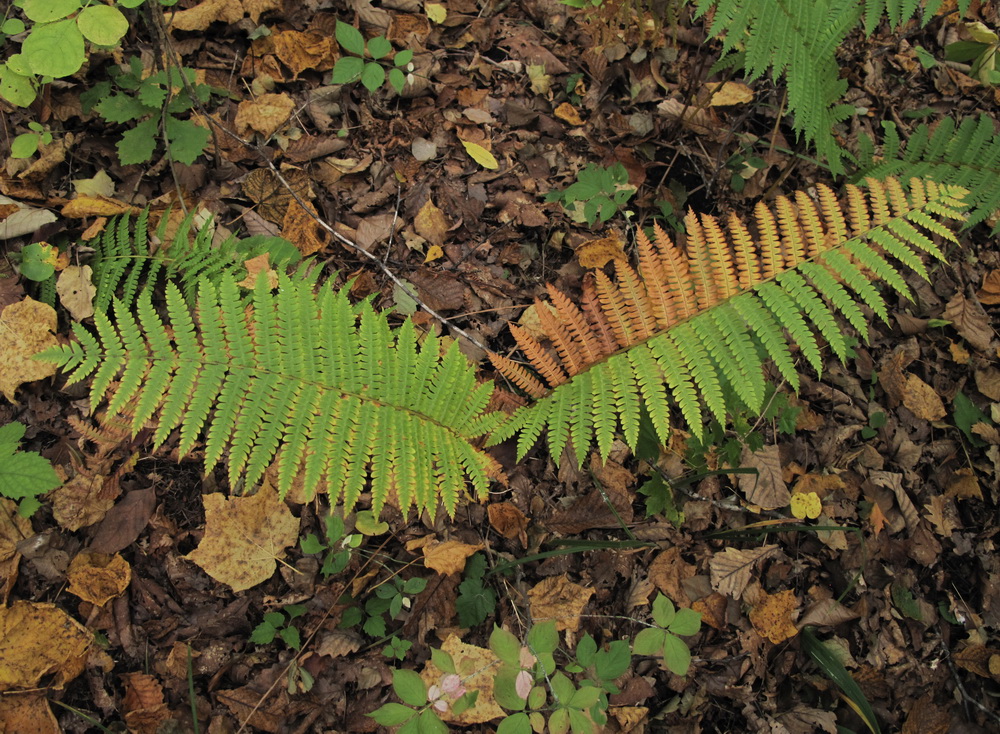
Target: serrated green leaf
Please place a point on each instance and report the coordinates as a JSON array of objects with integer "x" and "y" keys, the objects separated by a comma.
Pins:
[
  {"x": 102, "y": 24},
  {"x": 26, "y": 474},
  {"x": 410, "y": 687},
  {"x": 263, "y": 634},
  {"x": 186, "y": 140},
  {"x": 586, "y": 648},
  {"x": 121, "y": 108},
  {"x": 137, "y": 145},
  {"x": 397, "y": 80},
  {"x": 350, "y": 39},
  {"x": 505, "y": 646},
  {"x": 291, "y": 637}
]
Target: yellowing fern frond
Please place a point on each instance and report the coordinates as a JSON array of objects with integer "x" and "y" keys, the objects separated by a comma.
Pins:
[{"x": 695, "y": 323}]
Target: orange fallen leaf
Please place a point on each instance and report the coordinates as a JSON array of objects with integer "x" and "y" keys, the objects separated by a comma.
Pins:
[
  {"x": 96, "y": 206},
  {"x": 448, "y": 557},
  {"x": 728, "y": 93},
  {"x": 568, "y": 113},
  {"x": 921, "y": 399},
  {"x": 97, "y": 577},
  {"x": 266, "y": 114},
  {"x": 772, "y": 615},
  {"x": 40, "y": 641},
  {"x": 431, "y": 223},
  {"x": 597, "y": 253},
  {"x": 560, "y": 599}
]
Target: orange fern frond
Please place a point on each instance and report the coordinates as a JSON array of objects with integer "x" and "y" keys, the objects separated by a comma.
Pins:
[
  {"x": 518, "y": 375},
  {"x": 809, "y": 216},
  {"x": 791, "y": 233},
  {"x": 637, "y": 301},
  {"x": 596, "y": 316},
  {"x": 897, "y": 197},
  {"x": 541, "y": 359},
  {"x": 747, "y": 262},
  {"x": 836, "y": 226},
  {"x": 879, "y": 201},
  {"x": 771, "y": 259},
  {"x": 572, "y": 358},
  {"x": 614, "y": 308},
  {"x": 655, "y": 277},
  {"x": 726, "y": 282},
  {"x": 857, "y": 210},
  {"x": 576, "y": 322},
  {"x": 677, "y": 272}
]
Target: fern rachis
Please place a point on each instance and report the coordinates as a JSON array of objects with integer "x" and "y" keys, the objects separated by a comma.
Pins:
[{"x": 733, "y": 302}]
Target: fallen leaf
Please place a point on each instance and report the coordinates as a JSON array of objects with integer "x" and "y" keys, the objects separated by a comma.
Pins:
[
  {"x": 143, "y": 704},
  {"x": 598, "y": 253},
  {"x": 257, "y": 265},
  {"x": 76, "y": 291},
  {"x": 101, "y": 184},
  {"x": 806, "y": 505},
  {"x": 568, "y": 113},
  {"x": 970, "y": 320},
  {"x": 448, "y": 557},
  {"x": 431, "y": 224},
  {"x": 926, "y": 717},
  {"x": 940, "y": 512},
  {"x": 725, "y": 94},
  {"x": 301, "y": 51},
  {"x": 712, "y": 609},
  {"x": 98, "y": 578},
  {"x": 560, "y": 599},
  {"x": 26, "y": 328},
  {"x": 13, "y": 529},
  {"x": 301, "y": 228},
  {"x": 507, "y": 519},
  {"x": 244, "y": 537},
  {"x": 480, "y": 155},
  {"x": 731, "y": 569},
  {"x": 668, "y": 571},
  {"x": 266, "y": 114},
  {"x": 766, "y": 488},
  {"x": 964, "y": 485},
  {"x": 434, "y": 252},
  {"x": 477, "y": 667},
  {"x": 772, "y": 616},
  {"x": 22, "y": 220},
  {"x": 921, "y": 399},
  {"x": 201, "y": 16},
  {"x": 989, "y": 294},
  {"x": 876, "y": 519},
  {"x": 96, "y": 206},
  {"x": 40, "y": 641},
  {"x": 29, "y": 712}
]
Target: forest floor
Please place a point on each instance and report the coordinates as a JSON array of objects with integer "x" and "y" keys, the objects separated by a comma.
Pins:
[{"x": 899, "y": 443}]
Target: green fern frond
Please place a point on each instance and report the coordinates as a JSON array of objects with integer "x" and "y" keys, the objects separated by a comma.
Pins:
[
  {"x": 967, "y": 155},
  {"x": 325, "y": 388},
  {"x": 713, "y": 360},
  {"x": 123, "y": 263}
]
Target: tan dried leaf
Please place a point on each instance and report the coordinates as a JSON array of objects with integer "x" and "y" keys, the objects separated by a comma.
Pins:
[
  {"x": 26, "y": 328},
  {"x": 143, "y": 704},
  {"x": 712, "y": 609},
  {"x": 338, "y": 643},
  {"x": 244, "y": 537},
  {"x": 201, "y": 16},
  {"x": 668, "y": 572},
  {"x": 28, "y": 712},
  {"x": 448, "y": 557},
  {"x": 598, "y": 253},
  {"x": 301, "y": 228},
  {"x": 76, "y": 291},
  {"x": 96, "y": 206},
  {"x": 989, "y": 294},
  {"x": 970, "y": 320},
  {"x": 507, "y": 519},
  {"x": 730, "y": 570},
  {"x": 476, "y": 666},
  {"x": 560, "y": 599},
  {"x": 13, "y": 529},
  {"x": 922, "y": 400},
  {"x": 97, "y": 577},
  {"x": 767, "y": 488},
  {"x": 257, "y": 265},
  {"x": 568, "y": 113},
  {"x": 301, "y": 51},
  {"x": 725, "y": 94},
  {"x": 431, "y": 224},
  {"x": 266, "y": 114}
]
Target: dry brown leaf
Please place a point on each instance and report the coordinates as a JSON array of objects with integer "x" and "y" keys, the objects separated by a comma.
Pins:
[
  {"x": 766, "y": 488},
  {"x": 988, "y": 382},
  {"x": 257, "y": 265},
  {"x": 921, "y": 399},
  {"x": 821, "y": 484},
  {"x": 448, "y": 557},
  {"x": 244, "y": 537},
  {"x": 802, "y": 719},
  {"x": 256, "y": 8},
  {"x": 826, "y": 613},
  {"x": 26, "y": 328},
  {"x": 964, "y": 485},
  {"x": 668, "y": 571},
  {"x": 13, "y": 529},
  {"x": 201, "y": 16},
  {"x": 772, "y": 615},
  {"x": 597, "y": 253},
  {"x": 338, "y": 643},
  {"x": 731, "y": 568},
  {"x": 143, "y": 703},
  {"x": 40, "y": 641},
  {"x": 266, "y": 114},
  {"x": 926, "y": 717},
  {"x": 98, "y": 578},
  {"x": 86, "y": 498},
  {"x": 97, "y": 206},
  {"x": 507, "y": 519},
  {"x": 725, "y": 94},
  {"x": 970, "y": 320},
  {"x": 560, "y": 599},
  {"x": 712, "y": 609},
  {"x": 431, "y": 223},
  {"x": 975, "y": 659},
  {"x": 301, "y": 51},
  {"x": 76, "y": 291},
  {"x": 301, "y": 229},
  {"x": 989, "y": 294}
]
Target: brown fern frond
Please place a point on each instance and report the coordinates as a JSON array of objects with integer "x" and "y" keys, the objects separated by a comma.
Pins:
[
  {"x": 576, "y": 322},
  {"x": 630, "y": 285},
  {"x": 879, "y": 201},
  {"x": 677, "y": 272},
  {"x": 614, "y": 308},
  {"x": 726, "y": 282},
  {"x": 518, "y": 375},
  {"x": 897, "y": 197},
  {"x": 539, "y": 357},
  {"x": 653, "y": 274},
  {"x": 792, "y": 243},
  {"x": 836, "y": 226},
  {"x": 810, "y": 219},
  {"x": 561, "y": 338},
  {"x": 747, "y": 262},
  {"x": 700, "y": 263},
  {"x": 771, "y": 259},
  {"x": 598, "y": 320},
  {"x": 857, "y": 210}
]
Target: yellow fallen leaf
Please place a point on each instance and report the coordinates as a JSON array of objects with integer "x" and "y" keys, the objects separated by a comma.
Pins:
[
  {"x": 729, "y": 93},
  {"x": 806, "y": 505},
  {"x": 448, "y": 557},
  {"x": 76, "y": 291},
  {"x": 434, "y": 252},
  {"x": 480, "y": 155},
  {"x": 568, "y": 113},
  {"x": 97, "y": 577},
  {"x": 96, "y": 206},
  {"x": 436, "y": 12},
  {"x": 431, "y": 223},
  {"x": 772, "y": 615}
]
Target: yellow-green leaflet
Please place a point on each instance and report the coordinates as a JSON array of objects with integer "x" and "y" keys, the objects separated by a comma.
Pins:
[{"x": 480, "y": 155}]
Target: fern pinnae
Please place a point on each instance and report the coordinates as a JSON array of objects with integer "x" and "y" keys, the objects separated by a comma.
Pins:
[
  {"x": 769, "y": 332},
  {"x": 654, "y": 395}
]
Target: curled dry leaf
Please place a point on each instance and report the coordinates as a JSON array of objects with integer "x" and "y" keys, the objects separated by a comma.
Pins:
[
  {"x": 448, "y": 557},
  {"x": 971, "y": 321}
]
